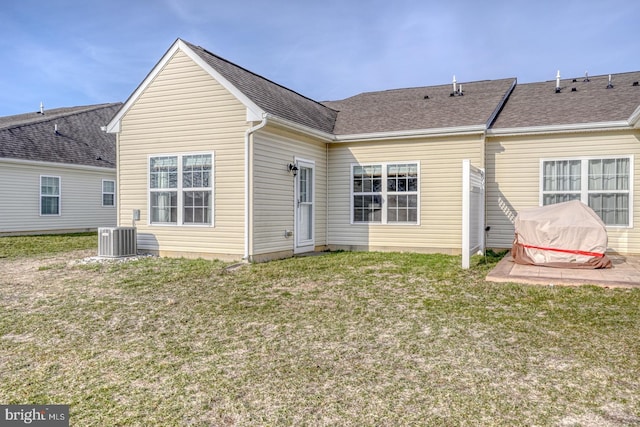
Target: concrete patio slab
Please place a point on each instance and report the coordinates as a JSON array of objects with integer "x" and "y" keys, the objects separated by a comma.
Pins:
[{"x": 625, "y": 273}]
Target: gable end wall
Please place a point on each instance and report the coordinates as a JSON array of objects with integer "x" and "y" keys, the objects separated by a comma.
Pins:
[{"x": 185, "y": 110}]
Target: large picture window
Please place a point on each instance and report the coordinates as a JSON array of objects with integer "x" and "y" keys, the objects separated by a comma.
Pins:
[
  {"x": 49, "y": 195},
  {"x": 181, "y": 189},
  {"x": 385, "y": 193},
  {"x": 604, "y": 184}
]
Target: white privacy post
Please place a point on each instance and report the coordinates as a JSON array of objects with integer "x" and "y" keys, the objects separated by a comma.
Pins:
[
  {"x": 472, "y": 211},
  {"x": 466, "y": 214}
]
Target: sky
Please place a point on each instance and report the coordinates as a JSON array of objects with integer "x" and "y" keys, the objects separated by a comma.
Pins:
[{"x": 67, "y": 53}]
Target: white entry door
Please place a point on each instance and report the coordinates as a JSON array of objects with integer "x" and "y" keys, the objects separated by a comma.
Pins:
[{"x": 304, "y": 210}]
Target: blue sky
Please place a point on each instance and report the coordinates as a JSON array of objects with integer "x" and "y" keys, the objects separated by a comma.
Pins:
[{"x": 79, "y": 52}]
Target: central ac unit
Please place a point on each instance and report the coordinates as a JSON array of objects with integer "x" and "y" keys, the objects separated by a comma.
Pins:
[{"x": 117, "y": 242}]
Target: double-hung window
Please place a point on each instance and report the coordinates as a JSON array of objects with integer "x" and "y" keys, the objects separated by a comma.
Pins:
[
  {"x": 49, "y": 195},
  {"x": 108, "y": 193},
  {"x": 604, "y": 184},
  {"x": 181, "y": 189},
  {"x": 385, "y": 193}
]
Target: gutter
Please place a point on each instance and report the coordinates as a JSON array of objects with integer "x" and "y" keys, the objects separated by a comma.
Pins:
[
  {"x": 417, "y": 133},
  {"x": 247, "y": 163},
  {"x": 405, "y": 134},
  {"x": 580, "y": 127},
  {"x": 327, "y": 137},
  {"x": 105, "y": 169},
  {"x": 634, "y": 119}
]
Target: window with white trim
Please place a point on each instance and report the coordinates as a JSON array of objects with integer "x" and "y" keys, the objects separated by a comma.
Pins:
[
  {"x": 108, "y": 193},
  {"x": 181, "y": 189},
  {"x": 49, "y": 195},
  {"x": 604, "y": 184},
  {"x": 385, "y": 193}
]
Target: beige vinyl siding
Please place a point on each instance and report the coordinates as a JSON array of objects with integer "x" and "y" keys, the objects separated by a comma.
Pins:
[
  {"x": 440, "y": 228},
  {"x": 80, "y": 199},
  {"x": 513, "y": 178},
  {"x": 273, "y": 189},
  {"x": 184, "y": 110}
]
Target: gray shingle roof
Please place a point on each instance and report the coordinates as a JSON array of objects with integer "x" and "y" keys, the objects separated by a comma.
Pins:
[
  {"x": 385, "y": 111},
  {"x": 538, "y": 104},
  {"x": 79, "y": 141},
  {"x": 531, "y": 104},
  {"x": 409, "y": 109},
  {"x": 271, "y": 97}
]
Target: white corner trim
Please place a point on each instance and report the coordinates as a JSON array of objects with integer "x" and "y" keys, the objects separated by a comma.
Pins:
[{"x": 253, "y": 117}]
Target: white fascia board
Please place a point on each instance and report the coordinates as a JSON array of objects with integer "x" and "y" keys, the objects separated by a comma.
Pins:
[
  {"x": 57, "y": 165},
  {"x": 634, "y": 119},
  {"x": 581, "y": 127},
  {"x": 418, "y": 133},
  {"x": 328, "y": 137},
  {"x": 114, "y": 125},
  {"x": 254, "y": 112}
]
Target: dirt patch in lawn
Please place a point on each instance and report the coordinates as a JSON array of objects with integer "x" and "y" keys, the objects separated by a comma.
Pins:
[
  {"x": 53, "y": 275},
  {"x": 27, "y": 271}
]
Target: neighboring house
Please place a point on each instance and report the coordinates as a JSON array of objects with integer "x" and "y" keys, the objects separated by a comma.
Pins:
[
  {"x": 216, "y": 161},
  {"x": 57, "y": 170}
]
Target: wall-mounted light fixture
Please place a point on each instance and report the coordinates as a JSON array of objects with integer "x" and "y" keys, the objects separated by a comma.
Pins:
[{"x": 293, "y": 169}]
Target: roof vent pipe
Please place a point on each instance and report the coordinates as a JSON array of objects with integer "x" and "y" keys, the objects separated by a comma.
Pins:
[
  {"x": 41, "y": 108},
  {"x": 558, "y": 82},
  {"x": 610, "y": 85},
  {"x": 586, "y": 76}
]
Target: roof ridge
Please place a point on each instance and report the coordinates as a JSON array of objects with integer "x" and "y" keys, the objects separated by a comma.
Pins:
[
  {"x": 423, "y": 87},
  {"x": 43, "y": 118},
  {"x": 256, "y": 74},
  {"x": 578, "y": 77}
]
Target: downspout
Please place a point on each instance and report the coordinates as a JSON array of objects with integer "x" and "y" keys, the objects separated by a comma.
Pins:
[
  {"x": 326, "y": 191},
  {"x": 247, "y": 173}
]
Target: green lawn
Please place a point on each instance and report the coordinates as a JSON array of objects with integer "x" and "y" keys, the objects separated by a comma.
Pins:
[
  {"x": 343, "y": 339},
  {"x": 23, "y": 246}
]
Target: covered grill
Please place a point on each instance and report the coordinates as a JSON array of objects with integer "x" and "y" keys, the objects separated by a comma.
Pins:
[{"x": 566, "y": 235}]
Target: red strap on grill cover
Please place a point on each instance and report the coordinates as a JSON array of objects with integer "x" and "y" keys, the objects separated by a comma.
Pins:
[{"x": 566, "y": 251}]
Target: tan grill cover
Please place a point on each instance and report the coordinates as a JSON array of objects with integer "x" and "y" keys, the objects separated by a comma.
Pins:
[{"x": 566, "y": 235}]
